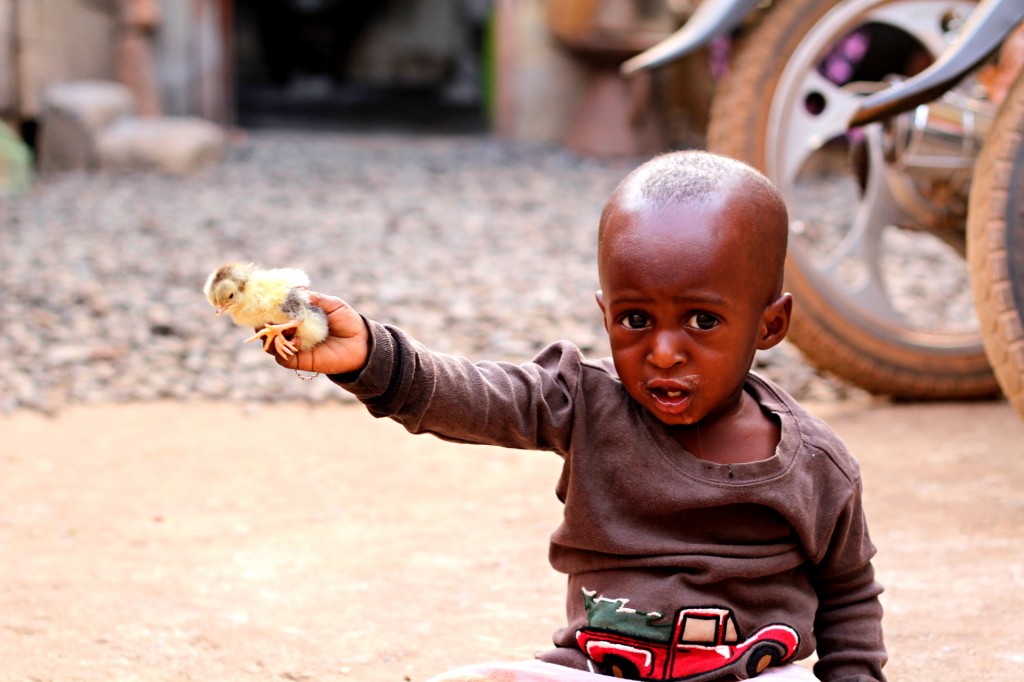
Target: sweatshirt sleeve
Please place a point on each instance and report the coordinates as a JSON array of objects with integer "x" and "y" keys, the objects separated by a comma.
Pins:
[
  {"x": 848, "y": 623},
  {"x": 522, "y": 406}
]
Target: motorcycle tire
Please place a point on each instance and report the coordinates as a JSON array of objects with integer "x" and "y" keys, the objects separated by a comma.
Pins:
[
  {"x": 995, "y": 245},
  {"x": 829, "y": 328}
]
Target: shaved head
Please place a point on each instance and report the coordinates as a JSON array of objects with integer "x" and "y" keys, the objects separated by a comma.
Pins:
[{"x": 758, "y": 224}]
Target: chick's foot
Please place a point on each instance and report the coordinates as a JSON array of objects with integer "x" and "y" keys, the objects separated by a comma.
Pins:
[{"x": 273, "y": 334}]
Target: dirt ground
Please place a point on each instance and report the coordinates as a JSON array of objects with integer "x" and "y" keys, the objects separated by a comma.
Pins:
[{"x": 229, "y": 542}]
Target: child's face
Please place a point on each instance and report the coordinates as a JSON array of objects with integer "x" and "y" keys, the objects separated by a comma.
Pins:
[{"x": 686, "y": 305}]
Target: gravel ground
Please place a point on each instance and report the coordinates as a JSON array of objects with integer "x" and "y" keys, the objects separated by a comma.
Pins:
[{"x": 475, "y": 246}]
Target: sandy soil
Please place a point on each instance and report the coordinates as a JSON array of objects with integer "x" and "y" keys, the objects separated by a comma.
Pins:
[{"x": 224, "y": 542}]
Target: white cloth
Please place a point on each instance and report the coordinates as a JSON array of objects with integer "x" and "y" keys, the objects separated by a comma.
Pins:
[{"x": 539, "y": 671}]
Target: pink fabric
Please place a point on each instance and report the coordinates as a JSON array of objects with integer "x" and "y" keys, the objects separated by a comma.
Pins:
[{"x": 539, "y": 671}]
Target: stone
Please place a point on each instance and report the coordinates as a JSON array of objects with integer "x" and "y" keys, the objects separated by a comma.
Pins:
[
  {"x": 175, "y": 145},
  {"x": 95, "y": 104},
  {"x": 72, "y": 116},
  {"x": 101, "y": 276}
]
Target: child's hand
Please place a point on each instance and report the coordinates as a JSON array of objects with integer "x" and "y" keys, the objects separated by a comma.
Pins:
[{"x": 346, "y": 348}]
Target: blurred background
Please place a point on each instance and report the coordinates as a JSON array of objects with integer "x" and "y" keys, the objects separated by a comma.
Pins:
[
  {"x": 440, "y": 163},
  {"x": 520, "y": 68}
]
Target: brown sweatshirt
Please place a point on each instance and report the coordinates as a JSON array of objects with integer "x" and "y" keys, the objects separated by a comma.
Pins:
[{"x": 677, "y": 568}]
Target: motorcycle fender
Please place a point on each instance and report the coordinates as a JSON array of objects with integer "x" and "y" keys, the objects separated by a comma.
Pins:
[
  {"x": 986, "y": 28},
  {"x": 711, "y": 19}
]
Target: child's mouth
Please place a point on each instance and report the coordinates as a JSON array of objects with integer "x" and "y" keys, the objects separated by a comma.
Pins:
[{"x": 672, "y": 398}]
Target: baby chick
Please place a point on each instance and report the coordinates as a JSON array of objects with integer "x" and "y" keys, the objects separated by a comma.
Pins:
[{"x": 275, "y": 300}]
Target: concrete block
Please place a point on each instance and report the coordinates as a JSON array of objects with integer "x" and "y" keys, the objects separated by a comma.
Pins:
[
  {"x": 176, "y": 145},
  {"x": 95, "y": 104},
  {"x": 73, "y": 114}
]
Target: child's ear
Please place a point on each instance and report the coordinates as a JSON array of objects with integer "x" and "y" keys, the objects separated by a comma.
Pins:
[
  {"x": 599, "y": 297},
  {"x": 775, "y": 321}
]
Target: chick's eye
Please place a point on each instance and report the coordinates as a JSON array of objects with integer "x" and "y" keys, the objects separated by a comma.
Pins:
[
  {"x": 635, "y": 321},
  {"x": 703, "y": 321},
  {"x": 231, "y": 295}
]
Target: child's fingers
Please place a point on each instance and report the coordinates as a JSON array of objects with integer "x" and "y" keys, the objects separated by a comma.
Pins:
[
  {"x": 342, "y": 319},
  {"x": 325, "y": 302}
]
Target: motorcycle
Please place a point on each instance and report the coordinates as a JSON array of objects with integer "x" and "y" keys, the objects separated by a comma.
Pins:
[{"x": 890, "y": 130}]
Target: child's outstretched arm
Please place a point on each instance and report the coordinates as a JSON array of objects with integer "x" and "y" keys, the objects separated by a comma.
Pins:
[
  {"x": 527, "y": 406},
  {"x": 346, "y": 347}
]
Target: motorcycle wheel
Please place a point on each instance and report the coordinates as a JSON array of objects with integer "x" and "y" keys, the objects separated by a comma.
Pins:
[
  {"x": 995, "y": 246},
  {"x": 863, "y": 247}
]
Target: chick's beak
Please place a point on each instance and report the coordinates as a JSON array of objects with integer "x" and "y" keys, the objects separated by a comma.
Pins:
[{"x": 221, "y": 309}]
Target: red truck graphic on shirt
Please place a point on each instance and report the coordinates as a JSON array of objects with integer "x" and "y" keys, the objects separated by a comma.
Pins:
[{"x": 702, "y": 642}]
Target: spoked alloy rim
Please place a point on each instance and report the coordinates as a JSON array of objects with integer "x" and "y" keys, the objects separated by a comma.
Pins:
[{"x": 846, "y": 256}]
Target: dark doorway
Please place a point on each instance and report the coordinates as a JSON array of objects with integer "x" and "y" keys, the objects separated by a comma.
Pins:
[{"x": 398, "y": 65}]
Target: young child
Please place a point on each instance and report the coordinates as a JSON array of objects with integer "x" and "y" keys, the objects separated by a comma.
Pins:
[{"x": 713, "y": 529}]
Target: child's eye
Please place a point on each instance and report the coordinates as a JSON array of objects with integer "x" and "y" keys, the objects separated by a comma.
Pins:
[
  {"x": 635, "y": 321},
  {"x": 703, "y": 321}
]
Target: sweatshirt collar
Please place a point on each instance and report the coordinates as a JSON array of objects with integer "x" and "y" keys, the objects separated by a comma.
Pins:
[{"x": 770, "y": 399}]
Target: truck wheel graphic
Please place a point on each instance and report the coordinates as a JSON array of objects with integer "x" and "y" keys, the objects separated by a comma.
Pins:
[
  {"x": 763, "y": 656},
  {"x": 616, "y": 666}
]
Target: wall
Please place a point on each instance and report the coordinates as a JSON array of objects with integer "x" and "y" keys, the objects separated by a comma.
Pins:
[
  {"x": 62, "y": 40},
  {"x": 538, "y": 84},
  {"x": 8, "y": 81},
  {"x": 59, "y": 40},
  {"x": 191, "y": 59}
]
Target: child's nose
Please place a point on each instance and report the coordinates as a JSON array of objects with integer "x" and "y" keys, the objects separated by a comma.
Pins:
[{"x": 667, "y": 350}]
